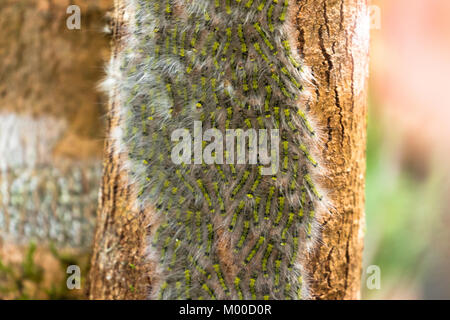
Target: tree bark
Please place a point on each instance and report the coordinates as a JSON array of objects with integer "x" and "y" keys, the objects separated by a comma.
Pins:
[
  {"x": 51, "y": 137},
  {"x": 333, "y": 38},
  {"x": 51, "y": 132},
  {"x": 118, "y": 264}
]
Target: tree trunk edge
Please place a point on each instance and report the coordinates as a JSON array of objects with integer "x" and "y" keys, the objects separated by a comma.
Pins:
[
  {"x": 119, "y": 270},
  {"x": 334, "y": 41}
]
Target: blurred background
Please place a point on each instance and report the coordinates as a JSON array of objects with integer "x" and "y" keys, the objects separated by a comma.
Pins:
[
  {"x": 52, "y": 131},
  {"x": 407, "y": 186},
  {"x": 51, "y": 142}
]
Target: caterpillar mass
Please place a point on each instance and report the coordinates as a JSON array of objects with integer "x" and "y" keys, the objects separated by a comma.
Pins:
[{"x": 220, "y": 231}]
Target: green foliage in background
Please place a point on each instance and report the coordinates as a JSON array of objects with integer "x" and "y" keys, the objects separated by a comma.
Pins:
[
  {"x": 25, "y": 281},
  {"x": 402, "y": 208}
]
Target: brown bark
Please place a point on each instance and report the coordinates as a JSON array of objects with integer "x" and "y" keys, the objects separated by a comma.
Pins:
[
  {"x": 51, "y": 132},
  {"x": 334, "y": 41},
  {"x": 49, "y": 70},
  {"x": 334, "y": 38},
  {"x": 50, "y": 110},
  {"x": 118, "y": 268}
]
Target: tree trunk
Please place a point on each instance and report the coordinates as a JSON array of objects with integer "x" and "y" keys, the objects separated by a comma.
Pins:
[
  {"x": 51, "y": 133},
  {"x": 333, "y": 39},
  {"x": 118, "y": 266}
]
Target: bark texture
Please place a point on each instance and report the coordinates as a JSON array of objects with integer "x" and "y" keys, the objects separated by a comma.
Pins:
[
  {"x": 118, "y": 264},
  {"x": 333, "y": 38},
  {"x": 51, "y": 133},
  {"x": 52, "y": 129}
]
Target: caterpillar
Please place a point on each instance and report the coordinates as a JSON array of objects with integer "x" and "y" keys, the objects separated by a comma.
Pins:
[{"x": 220, "y": 230}]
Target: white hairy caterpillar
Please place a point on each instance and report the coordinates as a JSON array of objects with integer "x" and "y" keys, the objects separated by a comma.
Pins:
[{"x": 220, "y": 231}]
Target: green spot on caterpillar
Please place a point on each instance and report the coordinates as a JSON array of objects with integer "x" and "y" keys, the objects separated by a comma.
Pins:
[
  {"x": 243, "y": 236},
  {"x": 286, "y": 228},
  {"x": 164, "y": 249},
  {"x": 294, "y": 252},
  {"x": 174, "y": 254},
  {"x": 265, "y": 259},
  {"x": 254, "y": 250},
  {"x": 187, "y": 277},
  {"x": 227, "y": 6},
  {"x": 242, "y": 39},
  {"x": 262, "y": 5},
  {"x": 218, "y": 196},
  {"x": 210, "y": 239},
  {"x": 188, "y": 227},
  {"x": 237, "y": 286},
  {"x": 168, "y": 6},
  {"x": 284, "y": 12},
  {"x": 198, "y": 267},
  {"x": 260, "y": 52},
  {"x": 281, "y": 201},
  {"x": 241, "y": 183},
  {"x": 178, "y": 288},
  {"x": 311, "y": 185},
  {"x": 267, "y": 101},
  {"x": 269, "y": 202},
  {"x": 209, "y": 291},
  {"x": 236, "y": 215},
  {"x": 276, "y": 281},
  {"x": 221, "y": 278},
  {"x": 299, "y": 290},
  {"x": 256, "y": 211},
  {"x": 198, "y": 224},
  {"x": 287, "y": 291},
  {"x": 270, "y": 18},
  {"x": 252, "y": 284},
  {"x": 263, "y": 36},
  {"x": 163, "y": 288},
  {"x": 308, "y": 155}
]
